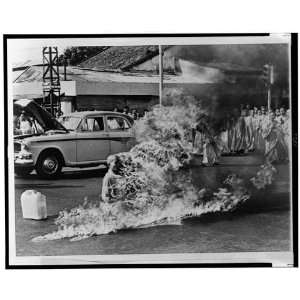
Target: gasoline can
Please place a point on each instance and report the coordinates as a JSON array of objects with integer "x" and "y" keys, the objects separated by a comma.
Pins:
[{"x": 33, "y": 205}]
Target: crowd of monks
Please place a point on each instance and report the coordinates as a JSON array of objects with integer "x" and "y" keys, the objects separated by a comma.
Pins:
[{"x": 244, "y": 131}]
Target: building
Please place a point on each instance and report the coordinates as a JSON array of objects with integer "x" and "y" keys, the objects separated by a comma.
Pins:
[{"x": 128, "y": 75}]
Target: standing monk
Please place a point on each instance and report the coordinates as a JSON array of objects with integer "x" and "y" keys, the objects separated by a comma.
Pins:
[
  {"x": 276, "y": 149},
  {"x": 249, "y": 123},
  {"x": 238, "y": 144}
]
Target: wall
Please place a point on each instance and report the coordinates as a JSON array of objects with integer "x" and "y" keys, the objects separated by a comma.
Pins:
[
  {"x": 116, "y": 88},
  {"x": 109, "y": 102}
]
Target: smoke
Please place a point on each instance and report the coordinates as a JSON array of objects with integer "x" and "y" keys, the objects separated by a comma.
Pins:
[{"x": 249, "y": 55}]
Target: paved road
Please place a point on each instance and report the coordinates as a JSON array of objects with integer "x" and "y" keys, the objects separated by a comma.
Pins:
[{"x": 264, "y": 229}]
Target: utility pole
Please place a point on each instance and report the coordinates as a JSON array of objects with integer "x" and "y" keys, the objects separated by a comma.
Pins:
[
  {"x": 268, "y": 77},
  {"x": 161, "y": 70}
]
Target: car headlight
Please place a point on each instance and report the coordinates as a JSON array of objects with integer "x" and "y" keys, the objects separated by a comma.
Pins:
[{"x": 24, "y": 153}]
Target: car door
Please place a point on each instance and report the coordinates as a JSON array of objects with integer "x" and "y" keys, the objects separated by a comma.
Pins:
[
  {"x": 92, "y": 143},
  {"x": 120, "y": 133}
]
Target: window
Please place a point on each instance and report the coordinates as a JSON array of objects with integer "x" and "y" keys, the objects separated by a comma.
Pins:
[
  {"x": 92, "y": 124},
  {"x": 71, "y": 123},
  {"x": 117, "y": 124}
]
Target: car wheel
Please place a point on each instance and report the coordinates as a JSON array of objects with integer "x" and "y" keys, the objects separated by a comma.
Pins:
[{"x": 49, "y": 165}]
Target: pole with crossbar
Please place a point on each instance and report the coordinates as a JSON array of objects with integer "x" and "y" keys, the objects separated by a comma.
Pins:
[{"x": 161, "y": 70}]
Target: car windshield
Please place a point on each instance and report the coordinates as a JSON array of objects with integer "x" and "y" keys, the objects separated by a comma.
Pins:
[{"x": 70, "y": 123}]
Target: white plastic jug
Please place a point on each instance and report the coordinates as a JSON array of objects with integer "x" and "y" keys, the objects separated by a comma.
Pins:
[{"x": 33, "y": 205}]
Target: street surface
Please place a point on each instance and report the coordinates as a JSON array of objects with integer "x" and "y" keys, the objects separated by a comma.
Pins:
[{"x": 262, "y": 224}]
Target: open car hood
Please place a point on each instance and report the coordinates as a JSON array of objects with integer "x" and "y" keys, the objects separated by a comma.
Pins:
[{"x": 45, "y": 119}]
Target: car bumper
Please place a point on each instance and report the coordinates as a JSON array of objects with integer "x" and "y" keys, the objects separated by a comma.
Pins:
[{"x": 24, "y": 163}]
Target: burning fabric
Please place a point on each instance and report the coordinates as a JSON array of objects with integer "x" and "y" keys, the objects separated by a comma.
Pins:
[
  {"x": 138, "y": 193},
  {"x": 148, "y": 185}
]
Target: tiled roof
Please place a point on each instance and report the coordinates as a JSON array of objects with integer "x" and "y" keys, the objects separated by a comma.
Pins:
[
  {"x": 35, "y": 73},
  {"x": 25, "y": 64},
  {"x": 119, "y": 58}
]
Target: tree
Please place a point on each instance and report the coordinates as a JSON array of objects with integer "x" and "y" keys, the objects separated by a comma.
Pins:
[{"x": 75, "y": 55}]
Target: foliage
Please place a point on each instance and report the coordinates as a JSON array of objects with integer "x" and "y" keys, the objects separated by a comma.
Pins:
[{"x": 75, "y": 55}]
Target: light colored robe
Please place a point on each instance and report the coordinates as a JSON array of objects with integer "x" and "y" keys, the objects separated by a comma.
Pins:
[
  {"x": 211, "y": 152},
  {"x": 250, "y": 133},
  {"x": 238, "y": 142},
  {"x": 260, "y": 141},
  {"x": 110, "y": 193},
  {"x": 275, "y": 149},
  {"x": 199, "y": 142}
]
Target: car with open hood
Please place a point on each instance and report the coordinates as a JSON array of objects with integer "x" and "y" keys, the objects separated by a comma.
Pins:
[{"x": 79, "y": 139}]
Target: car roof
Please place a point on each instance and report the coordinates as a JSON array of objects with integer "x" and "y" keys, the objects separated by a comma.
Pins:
[{"x": 93, "y": 113}]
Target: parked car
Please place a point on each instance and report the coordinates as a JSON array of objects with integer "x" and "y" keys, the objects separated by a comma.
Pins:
[{"x": 79, "y": 139}]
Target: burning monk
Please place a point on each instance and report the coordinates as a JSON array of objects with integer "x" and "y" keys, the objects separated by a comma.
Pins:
[
  {"x": 276, "y": 149},
  {"x": 110, "y": 192}
]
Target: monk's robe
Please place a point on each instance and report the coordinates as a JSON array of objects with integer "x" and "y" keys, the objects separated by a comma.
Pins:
[
  {"x": 249, "y": 133},
  {"x": 211, "y": 151},
  {"x": 275, "y": 149},
  {"x": 255, "y": 123},
  {"x": 231, "y": 127},
  {"x": 238, "y": 142},
  {"x": 110, "y": 192},
  {"x": 198, "y": 142},
  {"x": 224, "y": 136},
  {"x": 260, "y": 141},
  {"x": 286, "y": 131},
  {"x": 224, "y": 141}
]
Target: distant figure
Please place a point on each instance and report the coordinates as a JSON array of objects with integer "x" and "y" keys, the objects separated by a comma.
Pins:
[
  {"x": 16, "y": 125},
  {"x": 146, "y": 111},
  {"x": 198, "y": 136},
  {"x": 238, "y": 143},
  {"x": 59, "y": 113},
  {"x": 206, "y": 143},
  {"x": 116, "y": 109},
  {"x": 247, "y": 109},
  {"x": 25, "y": 124},
  {"x": 276, "y": 149},
  {"x": 225, "y": 135},
  {"x": 250, "y": 135},
  {"x": 280, "y": 115},
  {"x": 259, "y": 140},
  {"x": 134, "y": 114},
  {"x": 286, "y": 125},
  {"x": 126, "y": 110},
  {"x": 211, "y": 152},
  {"x": 255, "y": 110}
]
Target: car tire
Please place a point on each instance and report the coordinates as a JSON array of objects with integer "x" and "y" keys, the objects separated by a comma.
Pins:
[{"x": 49, "y": 164}]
